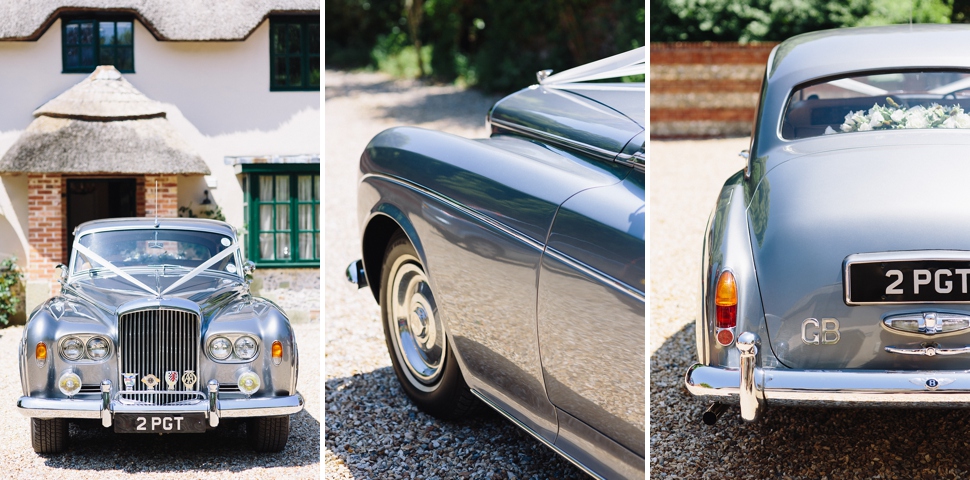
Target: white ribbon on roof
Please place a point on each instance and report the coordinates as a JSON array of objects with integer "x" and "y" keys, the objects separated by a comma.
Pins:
[
  {"x": 624, "y": 64},
  {"x": 121, "y": 273}
]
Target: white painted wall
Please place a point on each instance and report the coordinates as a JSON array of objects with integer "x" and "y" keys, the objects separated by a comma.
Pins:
[{"x": 217, "y": 96}]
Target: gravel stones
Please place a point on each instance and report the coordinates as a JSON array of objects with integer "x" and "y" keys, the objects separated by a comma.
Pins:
[{"x": 372, "y": 429}]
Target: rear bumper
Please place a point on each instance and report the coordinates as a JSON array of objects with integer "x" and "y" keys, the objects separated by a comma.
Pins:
[
  {"x": 826, "y": 388},
  {"x": 211, "y": 405}
]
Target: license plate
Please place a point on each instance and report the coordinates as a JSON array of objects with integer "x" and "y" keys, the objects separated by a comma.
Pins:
[
  {"x": 911, "y": 281},
  {"x": 157, "y": 423}
]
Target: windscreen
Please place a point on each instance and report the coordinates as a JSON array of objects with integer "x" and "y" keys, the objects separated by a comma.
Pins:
[
  {"x": 883, "y": 101},
  {"x": 154, "y": 248}
]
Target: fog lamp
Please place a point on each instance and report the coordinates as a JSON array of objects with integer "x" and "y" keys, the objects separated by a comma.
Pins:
[
  {"x": 277, "y": 352},
  {"x": 248, "y": 383},
  {"x": 69, "y": 384}
]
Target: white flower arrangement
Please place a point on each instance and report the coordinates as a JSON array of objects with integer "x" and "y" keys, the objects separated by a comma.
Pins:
[{"x": 885, "y": 117}]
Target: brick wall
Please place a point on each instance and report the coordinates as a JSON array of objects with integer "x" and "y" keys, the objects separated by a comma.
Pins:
[
  {"x": 167, "y": 201},
  {"x": 705, "y": 89},
  {"x": 46, "y": 231}
]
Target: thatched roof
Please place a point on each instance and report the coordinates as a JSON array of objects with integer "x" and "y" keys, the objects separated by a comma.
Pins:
[
  {"x": 174, "y": 20},
  {"x": 102, "y": 125}
]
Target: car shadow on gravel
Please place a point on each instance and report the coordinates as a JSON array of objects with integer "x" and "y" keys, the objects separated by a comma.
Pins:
[
  {"x": 92, "y": 447},
  {"x": 375, "y": 430},
  {"x": 794, "y": 442}
]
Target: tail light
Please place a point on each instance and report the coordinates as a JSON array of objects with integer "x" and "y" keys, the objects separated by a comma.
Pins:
[{"x": 725, "y": 308}]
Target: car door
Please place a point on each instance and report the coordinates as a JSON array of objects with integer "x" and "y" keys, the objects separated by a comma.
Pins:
[{"x": 590, "y": 315}]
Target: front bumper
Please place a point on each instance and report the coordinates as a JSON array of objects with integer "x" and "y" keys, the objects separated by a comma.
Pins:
[
  {"x": 210, "y": 404},
  {"x": 754, "y": 387}
]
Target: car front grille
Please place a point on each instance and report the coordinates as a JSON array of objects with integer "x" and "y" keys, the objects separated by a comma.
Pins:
[{"x": 153, "y": 342}]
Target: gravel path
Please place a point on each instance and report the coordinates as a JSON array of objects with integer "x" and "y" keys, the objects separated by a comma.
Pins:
[
  {"x": 809, "y": 443},
  {"x": 95, "y": 453},
  {"x": 372, "y": 430}
]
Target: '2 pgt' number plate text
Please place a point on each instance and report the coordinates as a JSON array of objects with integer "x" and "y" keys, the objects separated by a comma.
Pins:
[
  {"x": 158, "y": 423},
  {"x": 943, "y": 281}
]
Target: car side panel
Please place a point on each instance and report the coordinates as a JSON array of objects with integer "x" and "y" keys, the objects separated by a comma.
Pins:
[
  {"x": 480, "y": 211},
  {"x": 591, "y": 310}
]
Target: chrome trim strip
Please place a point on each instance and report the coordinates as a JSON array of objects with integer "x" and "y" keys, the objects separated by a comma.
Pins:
[
  {"x": 535, "y": 244},
  {"x": 602, "y": 277},
  {"x": 930, "y": 350},
  {"x": 596, "y": 152},
  {"x": 899, "y": 256},
  {"x": 535, "y": 435}
]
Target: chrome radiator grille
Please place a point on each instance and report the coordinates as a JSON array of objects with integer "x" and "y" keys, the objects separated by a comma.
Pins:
[{"x": 153, "y": 342}]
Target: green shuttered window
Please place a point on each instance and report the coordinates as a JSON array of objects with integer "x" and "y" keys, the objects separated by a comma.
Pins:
[
  {"x": 294, "y": 52},
  {"x": 283, "y": 216}
]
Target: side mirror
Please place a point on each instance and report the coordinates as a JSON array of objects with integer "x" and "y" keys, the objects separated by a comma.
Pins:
[
  {"x": 249, "y": 267},
  {"x": 63, "y": 275}
]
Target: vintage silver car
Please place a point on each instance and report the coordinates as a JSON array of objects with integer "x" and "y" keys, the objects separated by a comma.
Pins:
[
  {"x": 510, "y": 270},
  {"x": 837, "y": 263},
  {"x": 155, "y": 331}
]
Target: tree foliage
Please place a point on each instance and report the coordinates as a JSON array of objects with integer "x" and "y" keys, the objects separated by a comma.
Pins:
[
  {"x": 777, "y": 20},
  {"x": 10, "y": 289},
  {"x": 494, "y": 44}
]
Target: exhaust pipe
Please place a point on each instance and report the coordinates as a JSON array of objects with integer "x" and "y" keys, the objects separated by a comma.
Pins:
[{"x": 714, "y": 412}]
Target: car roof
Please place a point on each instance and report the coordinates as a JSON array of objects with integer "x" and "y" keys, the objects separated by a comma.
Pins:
[
  {"x": 201, "y": 224},
  {"x": 831, "y": 52}
]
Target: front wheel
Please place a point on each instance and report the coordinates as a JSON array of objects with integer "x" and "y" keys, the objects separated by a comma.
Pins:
[
  {"x": 48, "y": 436},
  {"x": 268, "y": 434},
  {"x": 416, "y": 339}
]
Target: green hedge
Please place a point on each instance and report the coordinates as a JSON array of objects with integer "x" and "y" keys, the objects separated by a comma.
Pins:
[{"x": 497, "y": 45}]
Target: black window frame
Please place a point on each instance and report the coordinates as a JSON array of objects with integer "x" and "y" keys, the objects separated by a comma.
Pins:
[
  {"x": 305, "y": 55},
  {"x": 251, "y": 204},
  {"x": 96, "y": 21}
]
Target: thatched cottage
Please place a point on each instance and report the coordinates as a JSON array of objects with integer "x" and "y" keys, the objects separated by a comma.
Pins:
[{"x": 215, "y": 104}]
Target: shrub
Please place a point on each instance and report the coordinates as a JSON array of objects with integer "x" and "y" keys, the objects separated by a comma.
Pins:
[{"x": 10, "y": 289}]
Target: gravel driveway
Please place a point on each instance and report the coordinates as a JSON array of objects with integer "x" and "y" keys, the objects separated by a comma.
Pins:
[
  {"x": 372, "y": 430},
  {"x": 95, "y": 453},
  {"x": 686, "y": 177}
]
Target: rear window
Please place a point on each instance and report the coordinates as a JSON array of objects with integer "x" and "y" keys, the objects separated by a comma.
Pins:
[{"x": 883, "y": 101}]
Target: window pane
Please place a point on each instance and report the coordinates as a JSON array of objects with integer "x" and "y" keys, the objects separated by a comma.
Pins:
[
  {"x": 266, "y": 218},
  {"x": 282, "y": 217},
  {"x": 106, "y": 31},
  {"x": 71, "y": 34},
  {"x": 304, "y": 188},
  {"x": 296, "y": 72},
  {"x": 306, "y": 246},
  {"x": 87, "y": 55},
  {"x": 316, "y": 187},
  {"x": 72, "y": 57},
  {"x": 124, "y": 59},
  {"x": 314, "y": 30},
  {"x": 277, "y": 39},
  {"x": 316, "y": 217},
  {"x": 293, "y": 39},
  {"x": 266, "y": 246},
  {"x": 314, "y": 71},
  {"x": 279, "y": 73},
  {"x": 316, "y": 241},
  {"x": 306, "y": 217},
  {"x": 87, "y": 33},
  {"x": 107, "y": 55},
  {"x": 266, "y": 188},
  {"x": 283, "y": 188},
  {"x": 283, "y": 246},
  {"x": 124, "y": 35}
]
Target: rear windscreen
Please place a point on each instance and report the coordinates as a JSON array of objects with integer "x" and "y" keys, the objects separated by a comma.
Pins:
[{"x": 883, "y": 101}]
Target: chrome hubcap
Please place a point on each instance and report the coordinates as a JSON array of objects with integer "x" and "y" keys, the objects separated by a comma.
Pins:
[{"x": 417, "y": 331}]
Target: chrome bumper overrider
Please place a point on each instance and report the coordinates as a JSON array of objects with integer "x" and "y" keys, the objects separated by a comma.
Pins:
[
  {"x": 210, "y": 404},
  {"x": 755, "y": 388}
]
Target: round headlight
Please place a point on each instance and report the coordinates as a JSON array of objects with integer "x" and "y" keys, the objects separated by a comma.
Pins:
[
  {"x": 248, "y": 383},
  {"x": 220, "y": 348},
  {"x": 97, "y": 348},
  {"x": 69, "y": 384},
  {"x": 245, "y": 347},
  {"x": 72, "y": 348}
]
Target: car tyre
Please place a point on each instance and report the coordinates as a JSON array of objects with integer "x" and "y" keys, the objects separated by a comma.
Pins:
[
  {"x": 414, "y": 331},
  {"x": 268, "y": 434},
  {"x": 48, "y": 436}
]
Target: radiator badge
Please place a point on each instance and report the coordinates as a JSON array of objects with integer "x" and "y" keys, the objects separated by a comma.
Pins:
[
  {"x": 130, "y": 379},
  {"x": 189, "y": 379},
  {"x": 171, "y": 379},
  {"x": 150, "y": 381}
]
